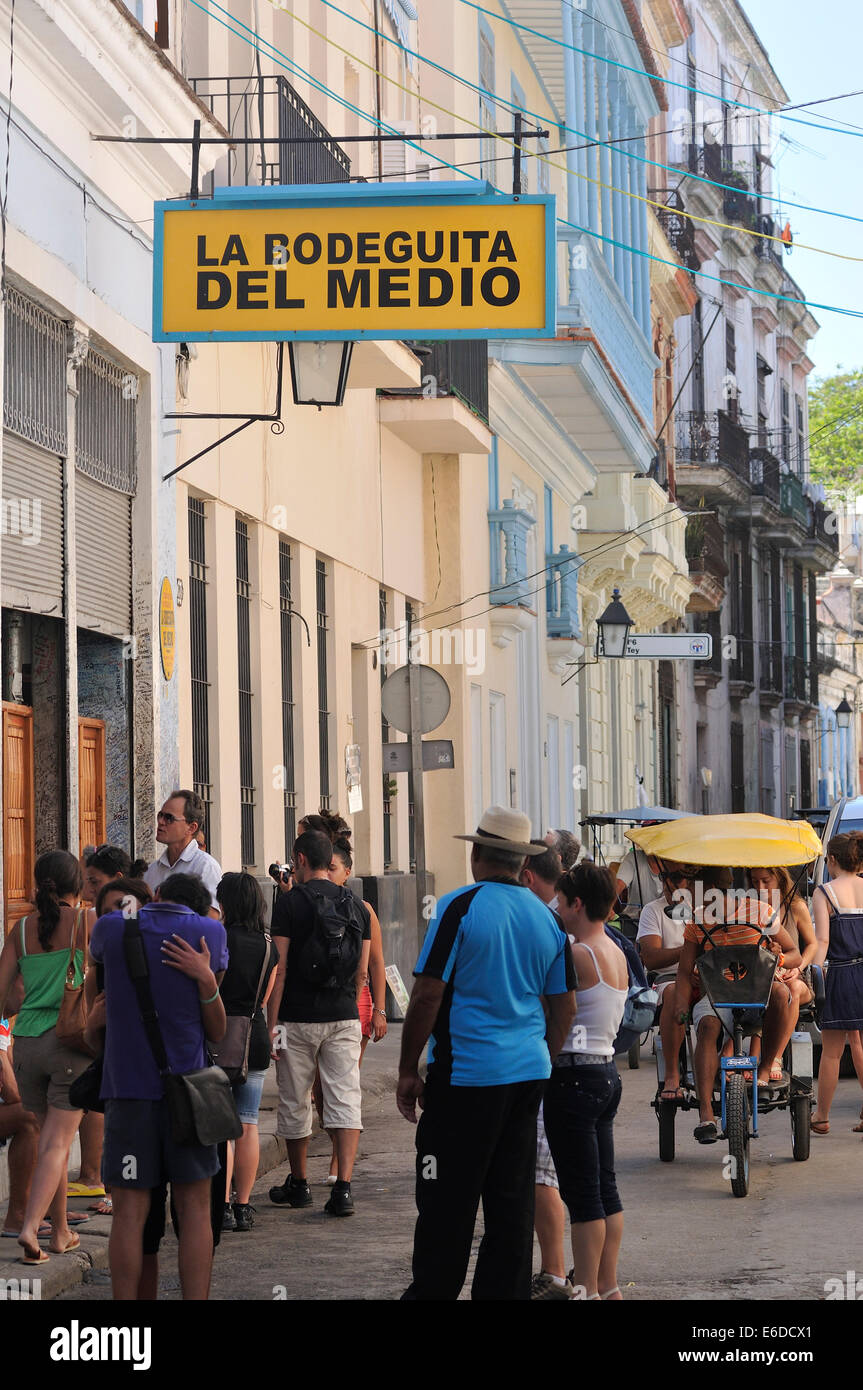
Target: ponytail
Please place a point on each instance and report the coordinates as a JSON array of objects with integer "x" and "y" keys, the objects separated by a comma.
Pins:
[{"x": 57, "y": 875}]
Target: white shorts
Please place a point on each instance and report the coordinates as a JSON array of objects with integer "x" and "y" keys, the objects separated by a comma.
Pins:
[
  {"x": 704, "y": 1009},
  {"x": 546, "y": 1174},
  {"x": 334, "y": 1048}
]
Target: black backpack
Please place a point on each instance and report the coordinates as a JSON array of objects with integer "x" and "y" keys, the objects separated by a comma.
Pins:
[{"x": 330, "y": 956}]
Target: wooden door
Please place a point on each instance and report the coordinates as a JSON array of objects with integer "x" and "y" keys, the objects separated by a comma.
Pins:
[
  {"x": 18, "y": 811},
  {"x": 91, "y": 782}
]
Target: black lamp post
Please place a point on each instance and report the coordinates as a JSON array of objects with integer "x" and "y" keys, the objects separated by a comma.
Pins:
[
  {"x": 319, "y": 372},
  {"x": 612, "y": 629},
  {"x": 843, "y": 714}
]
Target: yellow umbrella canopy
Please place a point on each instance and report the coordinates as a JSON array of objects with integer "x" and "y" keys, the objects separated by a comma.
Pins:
[{"x": 746, "y": 841}]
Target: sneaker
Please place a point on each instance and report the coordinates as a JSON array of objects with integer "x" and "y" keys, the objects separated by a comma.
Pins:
[
  {"x": 294, "y": 1192},
  {"x": 544, "y": 1288},
  {"x": 341, "y": 1202},
  {"x": 228, "y": 1222},
  {"x": 243, "y": 1216}
]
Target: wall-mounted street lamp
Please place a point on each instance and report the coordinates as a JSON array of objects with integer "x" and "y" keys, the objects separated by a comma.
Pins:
[
  {"x": 319, "y": 372},
  {"x": 843, "y": 714},
  {"x": 613, "y": 628}
]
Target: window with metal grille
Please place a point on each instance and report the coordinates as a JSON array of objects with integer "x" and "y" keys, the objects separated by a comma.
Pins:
[
  {"x": 768, "y": 782},
  {"x": 198, "y": 662},
  {"x": 244, "y": 691},
  {"x": 323, "y": 682},
  {"x": 34, "y": 372},
  {"x": 801, "y": 442},
  {"x": 105, "y": 423},
  {"x": 385, "y": 738},
  {"x": 409, "y": 621},
  {"x": 487, "y": 118},
  {"x": 667, "y": 733},
  {"x": 288, "y": 701},
  {"x": 738, "y": 774},
  {"x": 786, "y": 425}
]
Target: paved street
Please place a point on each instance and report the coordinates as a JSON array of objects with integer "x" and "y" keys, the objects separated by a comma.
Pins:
[{"x": 686, "y": 1236}]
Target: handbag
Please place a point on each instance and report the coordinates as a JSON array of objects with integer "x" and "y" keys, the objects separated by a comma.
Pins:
[
  {"x": 201, "y": 1103},
  {"x": 84, "y": 1091},
  {"x": 232, "y": 1053},
  {"x": 72, "y": 1018}
]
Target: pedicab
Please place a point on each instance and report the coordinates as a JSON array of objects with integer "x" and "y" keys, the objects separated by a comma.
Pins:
[
  {"x": 628, "y": 921},
  {"x": 739, "y": 978}
]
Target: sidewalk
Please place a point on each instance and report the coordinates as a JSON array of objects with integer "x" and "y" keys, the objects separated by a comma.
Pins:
[{"x": 64, "y": 1272}]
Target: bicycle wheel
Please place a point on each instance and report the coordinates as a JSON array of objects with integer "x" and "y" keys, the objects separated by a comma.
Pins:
[
  {"x": 737, "y": 1130},
  {"x": 801, "y": 1111},
  {"x": 667, "y": 1114}
]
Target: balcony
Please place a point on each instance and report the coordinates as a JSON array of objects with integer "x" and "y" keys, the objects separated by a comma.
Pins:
[
  {"x": 738, "y": 204},
  {"x": 712, "y": 457},
  {"x": 709, "y": 673},
  {"x": 764, "y": 474},
  {"x": 455, "y": 368},
  {"x": 768, "y": 250},
  {"x": 796, "y": 686},
  {"x": 679, "y": 230},
  {"x": 793, "y": 501},
  {"x": 510, "y": 590},
  {"x": 243, "y": 105},
  {"x": 705, "y": 553}
]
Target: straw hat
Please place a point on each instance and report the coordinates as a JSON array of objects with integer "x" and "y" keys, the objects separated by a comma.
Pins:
[{"x": 504, "y": 829}]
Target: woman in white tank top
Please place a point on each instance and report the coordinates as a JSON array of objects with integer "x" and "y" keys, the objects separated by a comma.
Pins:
[{"x": 584, "y": 1091}]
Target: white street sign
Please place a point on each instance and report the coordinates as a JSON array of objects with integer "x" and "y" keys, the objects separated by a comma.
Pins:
[{"x": 673, "y": 646}]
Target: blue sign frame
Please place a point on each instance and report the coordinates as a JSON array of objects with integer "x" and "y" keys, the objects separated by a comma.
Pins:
[{"x": 362, "y": 195}]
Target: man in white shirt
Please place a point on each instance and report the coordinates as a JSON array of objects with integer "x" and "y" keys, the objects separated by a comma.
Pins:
[
  {"x": 638, "y": 876},
  {"x": 177, "y": 824},
  {"x": 660, "y": 941}
]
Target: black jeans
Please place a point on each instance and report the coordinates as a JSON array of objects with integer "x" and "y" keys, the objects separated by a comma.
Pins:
[
  {"x": 475, "y": 1143},
  {"x": 579, "y": 1109}
]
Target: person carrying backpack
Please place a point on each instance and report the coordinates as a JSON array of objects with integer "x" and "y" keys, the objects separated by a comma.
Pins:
[{"x": 323, "y": 935}]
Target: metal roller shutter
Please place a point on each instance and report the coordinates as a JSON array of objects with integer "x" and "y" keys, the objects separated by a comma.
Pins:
[
  {"x": 31, "y": 552},
  {"x": 103, "y": 557}
]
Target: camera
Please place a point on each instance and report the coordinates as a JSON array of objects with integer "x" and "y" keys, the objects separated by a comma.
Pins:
[{"x": 281, "y": 873}]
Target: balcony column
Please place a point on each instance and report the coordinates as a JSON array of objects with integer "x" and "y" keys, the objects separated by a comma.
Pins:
[
  {"x": 573, "y": 182},
  {"x": 514, "y": 524},
  {"x": 630, "y": 218},
  {"x": 604, "y": 151},
  {"x": 642, "y": 262},
  {"x": 589, "y": 30},
  {"x": 577, "y": 23},
  {"x": 615, "y": 90}
]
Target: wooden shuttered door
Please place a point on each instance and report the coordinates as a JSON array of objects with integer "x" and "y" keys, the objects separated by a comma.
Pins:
[
  {"x": 103, "y": 557},
  {"x": 18, "y": 801},
  {"x": 91, "y": 782},
  {"x": 31, "y": 556}
]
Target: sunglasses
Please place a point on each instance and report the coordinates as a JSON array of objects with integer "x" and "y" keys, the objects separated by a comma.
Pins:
[{"x": 168, "y": 818}]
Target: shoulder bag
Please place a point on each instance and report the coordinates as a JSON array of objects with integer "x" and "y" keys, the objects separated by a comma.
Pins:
[
  {"x": 200, "y": 1103},
  {"x": 72, "y": 1018},
  {"x": 232, "y": 1053}
]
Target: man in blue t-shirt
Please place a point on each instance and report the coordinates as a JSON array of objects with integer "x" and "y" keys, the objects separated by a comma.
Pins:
[{"x": 493, "y": 961}]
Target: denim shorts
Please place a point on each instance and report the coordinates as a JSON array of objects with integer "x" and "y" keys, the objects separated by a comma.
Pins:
[{"x": 247, "y": 1095}]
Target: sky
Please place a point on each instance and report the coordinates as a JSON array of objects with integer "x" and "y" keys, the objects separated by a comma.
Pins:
[{"x": 815, "y": 51}]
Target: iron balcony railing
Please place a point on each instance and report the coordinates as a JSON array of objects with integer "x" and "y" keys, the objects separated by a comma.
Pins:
[
  {"x": 454, "y": 367},
  {"x": 770, "y": 664},
  {"x": 796, "y": 678},
  {"x": 706, "y": 159},
  {"x": 738, "y": 203},
  {"x": 768, "y": 250},
  {"x": 764, "y": 474},
  {"x": 824, "y": 526},
  {"x": 712, "y": 437},
  {"x": 710, "y": 623},
  {"x": 705, "y": 547},
  {"x": 262, "y": 109},
  {"x": 792, "y": 499},
  {"x": 679, "y": 229}
]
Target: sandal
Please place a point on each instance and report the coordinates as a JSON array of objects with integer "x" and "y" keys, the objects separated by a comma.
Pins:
[
  {"x": 80, "y": 1189},
  {"x": 44, "y": 1230},
  {"x": 819, "y": 1126},
  {"x": 858, "y": 1128},
  {"x": 103, "y": 1208},
  {"x": 67, "y": 1249},
  {"x": 776, "y": 1070},
  {"x": 671, "y": 1093},
  {"x": 37, "y": 1257},
  {"x": 707, "y": 1133}
]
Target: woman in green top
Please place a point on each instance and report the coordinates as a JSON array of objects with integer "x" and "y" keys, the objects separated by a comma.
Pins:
[{"x": 38, "y": 949}]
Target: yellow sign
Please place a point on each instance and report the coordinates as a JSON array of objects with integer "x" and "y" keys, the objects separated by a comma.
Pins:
[
  {"x": 167, "y": 629},
  {"x": 480, "y": 268}
]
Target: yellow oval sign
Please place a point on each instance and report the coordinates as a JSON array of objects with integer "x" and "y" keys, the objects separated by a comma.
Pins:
[{"x": 167, "y": 629}]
